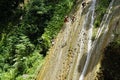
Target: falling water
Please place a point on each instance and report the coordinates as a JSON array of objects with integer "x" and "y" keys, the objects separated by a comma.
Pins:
[
  {"x": 105, "y": 20},
  {"x": 91, "y": 9},
  {"x": 70, "y": 62}
]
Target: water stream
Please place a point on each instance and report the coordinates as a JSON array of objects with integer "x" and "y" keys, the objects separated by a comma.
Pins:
[
  {"x": 91, "y": 10},
  {"x": 74, "y": 56},
  {"x": 105, "y": 20},
  {"x": 104, "y": 25}
]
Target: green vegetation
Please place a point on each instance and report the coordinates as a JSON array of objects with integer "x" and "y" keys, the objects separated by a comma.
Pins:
[
  {"x": 100, "y": 11},
  {"x": 26, "y": 31},
  {"x": 7, "y": 10},
  {"x": 94, "y": 33}
]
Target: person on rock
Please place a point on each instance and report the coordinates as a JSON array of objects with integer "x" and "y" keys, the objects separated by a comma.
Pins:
[
  {"x": 66, "y": 19},
  {"x": 53, "y": 42},
  {"x": 73, "y": 18}
]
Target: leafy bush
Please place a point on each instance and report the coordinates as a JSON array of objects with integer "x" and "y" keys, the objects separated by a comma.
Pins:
[
  {"x": 29, "y": 34},
  {"x": 18, "y": 55}
]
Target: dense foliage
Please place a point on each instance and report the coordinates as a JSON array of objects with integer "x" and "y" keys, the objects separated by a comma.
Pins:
[
  {"x": 26, "y": 30},
  {"x": 8, "y": 8}
]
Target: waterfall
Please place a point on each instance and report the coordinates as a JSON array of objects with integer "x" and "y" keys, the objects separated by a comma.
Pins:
[
  {"x": 104, "y": 25},
  {"x": 91, "y": 9},
  {"x": 74, "y": 56},
  {"x": 105, "y": 20}
]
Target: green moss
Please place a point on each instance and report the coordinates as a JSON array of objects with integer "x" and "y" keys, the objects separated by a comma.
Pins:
[{"x": 94, "y": 33}]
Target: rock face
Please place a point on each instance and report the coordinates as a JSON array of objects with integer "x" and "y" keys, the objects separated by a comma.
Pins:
[{"x": 74, "y": 56}]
